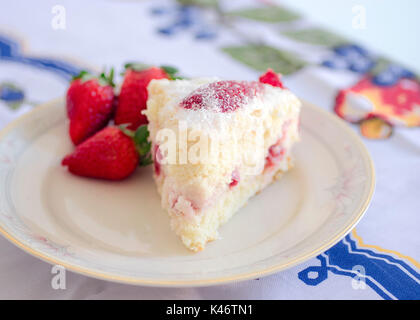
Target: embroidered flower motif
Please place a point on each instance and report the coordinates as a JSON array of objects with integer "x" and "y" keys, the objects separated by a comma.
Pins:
[
  {"x": 351, "y": 57},
  {"x": 390, "y": 75},
  {"x": 375, "y": 128},
  {"x": 186, "y": 18},
  {"x": 379, "y": 108},
  {"x": 11, "y": 94}
]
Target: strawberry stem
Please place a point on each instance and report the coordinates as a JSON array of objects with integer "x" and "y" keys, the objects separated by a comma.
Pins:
[
  {"x": 136, "y": 66},
  {"x": 84, "y": 76},
  {"x": 125, "y": 130},
  {"x": 107, "y": 79},
  {"x": 103, "y": 79}
]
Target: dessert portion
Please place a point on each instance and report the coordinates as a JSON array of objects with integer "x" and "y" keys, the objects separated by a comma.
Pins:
[{"x": 215, "y": 144}]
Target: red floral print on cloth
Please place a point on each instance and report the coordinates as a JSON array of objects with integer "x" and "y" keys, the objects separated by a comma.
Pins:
[{"x": 379, "y": 108}]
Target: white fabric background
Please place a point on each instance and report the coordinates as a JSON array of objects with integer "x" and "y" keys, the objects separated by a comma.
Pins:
[{"x": 390, "y": 25}]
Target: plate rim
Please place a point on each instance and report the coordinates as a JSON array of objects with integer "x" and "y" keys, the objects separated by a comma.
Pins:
[{"x": 90, "y": 272}]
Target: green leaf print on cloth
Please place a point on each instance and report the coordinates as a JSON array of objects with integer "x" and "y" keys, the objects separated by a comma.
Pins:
[
  {"x": 271, "y": 14},
  {"x": 316, "y": 36},
  {"x": 202, "y": 3},
  {"x": 262, "y": 57}
]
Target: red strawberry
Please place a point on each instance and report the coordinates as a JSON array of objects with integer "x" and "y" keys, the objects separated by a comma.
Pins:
[
  {"x": 133, "y": 95},
  {"x": 112, "y": 154},
  {"x": 89, "y": 105},
  {"x": 270, "y": 77}
]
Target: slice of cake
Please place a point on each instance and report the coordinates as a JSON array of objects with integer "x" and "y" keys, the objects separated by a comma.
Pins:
[{"x": 215, "y": 144}]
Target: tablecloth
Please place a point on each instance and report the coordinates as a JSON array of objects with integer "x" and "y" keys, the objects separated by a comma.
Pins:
[{"x": 43, "y": 44}]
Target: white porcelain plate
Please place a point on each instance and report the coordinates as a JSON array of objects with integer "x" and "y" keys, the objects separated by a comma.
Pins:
[{"x": 117, "y": 230}]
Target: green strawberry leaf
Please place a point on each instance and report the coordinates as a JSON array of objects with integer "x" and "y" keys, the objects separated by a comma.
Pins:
[
  {"x": 136, "y": 66},
  {"x": 270, "y": 14},
  {"x": 145, "y": 161},
  {"x": 172, "y": 72},
  {"x": 144, "y": 149},
  {"x": 83, "y": 76},
  {"x": 141, "y": 134},
  {"x": 143, "y": 146},
  {"x": 80, "y": 75},
  {"x": 262, "y": 57},
  {"x": 103, "y": 79},
  {"x": 107, "y": 79}
]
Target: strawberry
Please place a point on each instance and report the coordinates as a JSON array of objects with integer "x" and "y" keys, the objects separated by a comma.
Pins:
[
  {"x": 112, "y": 153},
  {"x": 89, "y": 105},
  {"x": 133, "y": 94},
  {"x": 272, "y": 78}
]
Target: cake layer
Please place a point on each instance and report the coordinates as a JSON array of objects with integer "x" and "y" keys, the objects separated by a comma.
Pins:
[{"x": 195, "y": 231}]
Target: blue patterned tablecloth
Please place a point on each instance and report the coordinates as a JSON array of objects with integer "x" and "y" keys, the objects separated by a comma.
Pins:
[{"x": 40, "y": 49}]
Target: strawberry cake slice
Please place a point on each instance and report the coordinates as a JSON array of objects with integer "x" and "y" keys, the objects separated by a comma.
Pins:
[{"x": 215, "y": 144}]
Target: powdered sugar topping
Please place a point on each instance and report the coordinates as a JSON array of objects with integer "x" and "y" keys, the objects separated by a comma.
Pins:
[{"x": 222, "y": 96}]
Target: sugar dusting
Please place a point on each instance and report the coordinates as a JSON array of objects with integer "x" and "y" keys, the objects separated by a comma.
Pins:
[{"x": 222, "y": 96}]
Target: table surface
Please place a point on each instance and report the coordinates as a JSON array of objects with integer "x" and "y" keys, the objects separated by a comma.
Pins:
[{"x": 38, "y": 60}]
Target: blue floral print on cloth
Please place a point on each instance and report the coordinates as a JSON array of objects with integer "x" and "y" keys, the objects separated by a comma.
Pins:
[{"x": 185, "y": 18}]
